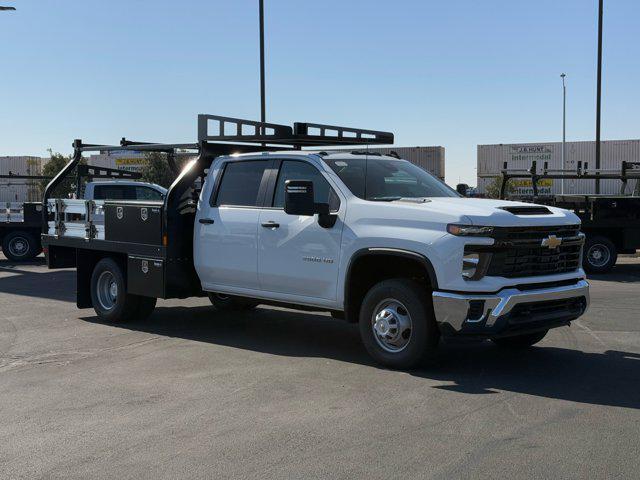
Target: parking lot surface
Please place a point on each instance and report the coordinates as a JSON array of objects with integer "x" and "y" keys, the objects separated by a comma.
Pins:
[{"x": 276, "y": 393}]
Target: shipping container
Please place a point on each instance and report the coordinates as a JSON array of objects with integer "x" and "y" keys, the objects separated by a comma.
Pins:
[
  {"x": 20, "y": 190},
  {"x": 491, "y": 159},
  {"x": 430, "y": 159}
]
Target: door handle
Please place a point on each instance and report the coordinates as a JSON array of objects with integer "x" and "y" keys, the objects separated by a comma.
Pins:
[
  {"x": 270, "y": 225},
  {"x": 206, "y": 221}
]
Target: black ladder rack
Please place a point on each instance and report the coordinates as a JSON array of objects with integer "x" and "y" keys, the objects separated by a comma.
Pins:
[{"x": 303, "y": 134}]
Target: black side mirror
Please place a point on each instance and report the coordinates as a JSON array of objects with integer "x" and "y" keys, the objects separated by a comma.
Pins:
[
  {"x": 298, "y": 197},
  {"x": 462, "y": 189}
]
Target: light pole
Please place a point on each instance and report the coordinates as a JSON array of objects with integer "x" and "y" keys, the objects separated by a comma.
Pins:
[
  {"x": 263, "y": 113},
  {"x": 564, "y": 127},
  {"x": 599, "y": 93}
]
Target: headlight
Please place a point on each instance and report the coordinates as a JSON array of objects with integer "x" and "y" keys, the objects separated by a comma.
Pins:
[
  {"x": 475, "y": 264},
  {"x": 469, "y": 230}
]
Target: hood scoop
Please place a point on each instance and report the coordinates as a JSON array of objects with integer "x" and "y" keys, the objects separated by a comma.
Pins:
[{"x": 532, "y": 210}]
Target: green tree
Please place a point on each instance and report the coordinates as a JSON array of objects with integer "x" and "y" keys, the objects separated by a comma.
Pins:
[
  {"x": 156, "y": 169},
  {"x": 492, "y": 189}
]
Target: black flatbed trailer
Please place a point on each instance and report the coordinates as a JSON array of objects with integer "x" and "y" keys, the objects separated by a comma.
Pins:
[
  {"x": 20, "y": 226},
  {"x": 611, "y": 222},
  {"x": 151, "y": 243}
]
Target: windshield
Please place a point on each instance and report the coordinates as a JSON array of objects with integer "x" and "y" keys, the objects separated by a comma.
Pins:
[{"x": 387, "y": 179}]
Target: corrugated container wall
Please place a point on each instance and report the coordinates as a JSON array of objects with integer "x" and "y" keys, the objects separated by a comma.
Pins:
[
  {"x": 20, "y": 190},
  {"x": 430, "y": 159},
  {"x": 519, "y": 156}
]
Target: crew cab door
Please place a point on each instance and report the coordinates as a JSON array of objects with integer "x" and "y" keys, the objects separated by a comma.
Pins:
[
  {"x": 297, "y": 257},
  {"x": 226, "y": 228}
]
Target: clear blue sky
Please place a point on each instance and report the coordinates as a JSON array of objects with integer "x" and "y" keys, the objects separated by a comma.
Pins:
[{"x": 455, "y": 73}]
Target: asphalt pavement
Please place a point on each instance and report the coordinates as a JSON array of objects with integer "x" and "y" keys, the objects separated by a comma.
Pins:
[{"x": 276, "y": 393}]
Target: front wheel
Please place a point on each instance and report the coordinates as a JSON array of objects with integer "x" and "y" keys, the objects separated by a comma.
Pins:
[
  {"x": 520, "y": 341},
  {"x": 397, "y": 324},
  {"x": 20, "y": 246},
  {"x": 599, "y": 255}
]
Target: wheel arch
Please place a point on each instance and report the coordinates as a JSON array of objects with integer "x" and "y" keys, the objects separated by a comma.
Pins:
[{"x": 394, "y": 263}]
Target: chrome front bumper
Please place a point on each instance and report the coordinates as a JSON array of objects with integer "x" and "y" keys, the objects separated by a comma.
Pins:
[{"x": 459, "y": 312}]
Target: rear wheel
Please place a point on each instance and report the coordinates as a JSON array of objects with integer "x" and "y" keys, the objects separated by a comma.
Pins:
[
  {"x": 109, "y": 295},
  {"x": 20, "y": 246},
  {"x": 397, "y": 324},
  {"x": 229, "y": 303},
  {"x": 600, "y": 255},
  {"x": 520, "y": 341}
]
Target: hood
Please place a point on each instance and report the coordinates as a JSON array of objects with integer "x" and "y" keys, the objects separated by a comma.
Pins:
[{"x": 497, "y": 213}]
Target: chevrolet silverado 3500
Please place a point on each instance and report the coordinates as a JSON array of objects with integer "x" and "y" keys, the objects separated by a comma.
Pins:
[{"x": 254, "y": 219}]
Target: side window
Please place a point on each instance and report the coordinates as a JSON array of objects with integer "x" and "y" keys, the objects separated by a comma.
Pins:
[
  {"x": 295, "y": 170},
  {"x": 108, "y": 192},
  {"x": 241, "y": 183},
  {"x": 146, "y": 193}
]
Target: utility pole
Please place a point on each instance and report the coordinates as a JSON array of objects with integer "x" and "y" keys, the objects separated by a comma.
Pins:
[
  {"x": 263, "y": 114},
  {"x": 599, "y": 93},
  {"x": 564, "y": 128}
]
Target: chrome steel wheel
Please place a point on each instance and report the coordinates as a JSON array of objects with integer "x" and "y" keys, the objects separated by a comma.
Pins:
[
  {"x": 107, "y": 290},
  {"x": 392, "y": 325},
  {"x": 18, "y": 246},
  {"x": 598, "y": 255}
]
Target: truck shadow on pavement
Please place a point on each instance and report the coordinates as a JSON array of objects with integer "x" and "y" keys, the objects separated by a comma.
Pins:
[
  {"x": 16, "y": 279},
  {"x": 622, "y": 272},
  {"x": 610, "y": 378}
]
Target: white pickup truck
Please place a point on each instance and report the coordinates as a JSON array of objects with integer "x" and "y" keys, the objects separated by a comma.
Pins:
[{"x": 370, "y": 238}]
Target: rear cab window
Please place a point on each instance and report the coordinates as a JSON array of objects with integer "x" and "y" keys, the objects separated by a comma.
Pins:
[{"x": 241, "y": 184}]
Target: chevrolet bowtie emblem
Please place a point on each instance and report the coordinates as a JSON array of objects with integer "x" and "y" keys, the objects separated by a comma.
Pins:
[{"x": 551, "y": 242}]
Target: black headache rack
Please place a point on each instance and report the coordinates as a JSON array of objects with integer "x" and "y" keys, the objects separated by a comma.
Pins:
[{"x": 157, "y": 238}]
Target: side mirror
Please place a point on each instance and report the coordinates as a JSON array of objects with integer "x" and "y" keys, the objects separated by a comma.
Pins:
[
  {"x": 462, "y": 189},
  {"x": 298, "y": 198}
]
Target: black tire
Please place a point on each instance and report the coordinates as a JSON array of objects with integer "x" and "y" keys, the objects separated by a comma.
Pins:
[
  {"x": 408, "y": 298},
  {"x": 229, "y": 303},
  {"x": 600, "y": 255},
  {"x": 114, "y": 305},
  {"x": 20, "y": 246},
  {"x": 520, "y": 341}
]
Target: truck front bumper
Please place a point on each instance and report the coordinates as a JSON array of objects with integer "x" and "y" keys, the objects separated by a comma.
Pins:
[{"x": 511, "y": 311}]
